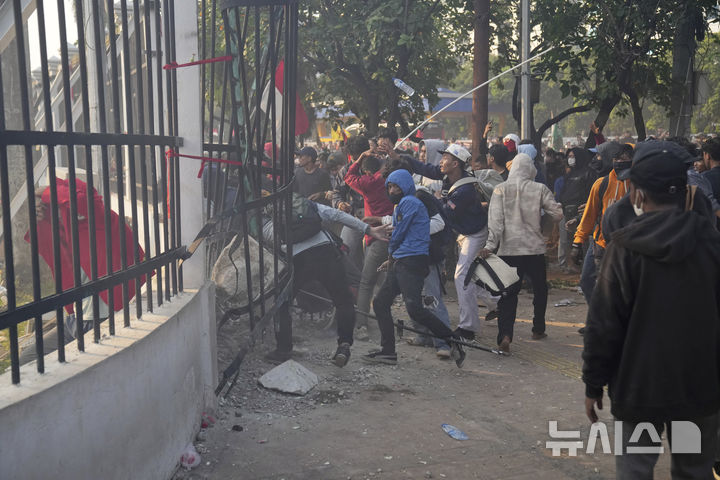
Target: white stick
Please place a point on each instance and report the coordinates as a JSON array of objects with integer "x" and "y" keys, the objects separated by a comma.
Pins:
[{"x": 471, "y": 91}]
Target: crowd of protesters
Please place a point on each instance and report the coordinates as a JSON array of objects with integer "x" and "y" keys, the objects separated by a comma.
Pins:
[{"x": 637, "y": 220}]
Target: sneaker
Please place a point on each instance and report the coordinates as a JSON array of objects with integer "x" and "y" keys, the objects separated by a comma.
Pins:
[
  {"x": 505, "y": 344},
  {"x": 342, "y": 355},
  {"x": 418, "y": 342},
  {"x": 443, "y": 353},
  {"x": 581, "y": 331},
  {"x": 467, "y": 335},
  {"x": 458, "y": 354},
  {"x": 492, "y": 315},
  {"x": 378, "y": 356},
  {"x": 539, "y": 336},
  {"x": 361, "y": 333}
]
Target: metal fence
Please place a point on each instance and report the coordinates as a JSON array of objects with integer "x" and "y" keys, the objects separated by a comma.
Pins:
[
  {"x": 90, "y": 202},
  {"x": 249, "y": 118}
]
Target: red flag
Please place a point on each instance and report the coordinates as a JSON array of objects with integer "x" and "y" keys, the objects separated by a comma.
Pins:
[{"x": 302, "y": 124}]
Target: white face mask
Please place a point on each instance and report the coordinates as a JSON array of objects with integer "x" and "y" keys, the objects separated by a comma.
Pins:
[
  {"x": 638, "y": 210},
  {"x": 571, "y": 161}
]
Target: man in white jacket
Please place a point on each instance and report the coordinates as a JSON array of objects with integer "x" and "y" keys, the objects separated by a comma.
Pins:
[{"x": 514, "y": 231}]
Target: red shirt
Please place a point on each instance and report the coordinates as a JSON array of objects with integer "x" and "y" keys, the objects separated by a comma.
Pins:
[{"x": 372, "y": 189}]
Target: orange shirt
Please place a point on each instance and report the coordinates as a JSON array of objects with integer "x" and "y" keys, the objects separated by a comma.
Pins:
[{"x": 591, "y": 219}]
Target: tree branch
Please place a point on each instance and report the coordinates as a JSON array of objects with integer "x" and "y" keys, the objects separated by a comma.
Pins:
[{"x": 557, "y": 118}]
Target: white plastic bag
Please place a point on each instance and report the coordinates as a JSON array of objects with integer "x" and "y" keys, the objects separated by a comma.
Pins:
[{"x": 190, "y": 458}]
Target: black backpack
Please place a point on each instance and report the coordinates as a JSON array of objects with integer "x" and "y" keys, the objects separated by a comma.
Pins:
[{"x": 305, "y": 220}]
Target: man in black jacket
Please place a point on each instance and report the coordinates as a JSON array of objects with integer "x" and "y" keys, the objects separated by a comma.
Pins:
[{"x": 653, "y": 330}]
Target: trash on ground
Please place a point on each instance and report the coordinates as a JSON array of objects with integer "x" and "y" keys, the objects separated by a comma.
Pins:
[
  {"x": 565, "y": 302},
  {"x": 207, "y": 420},
  {"x": 237, "y": 428},
  {"x": 289, "y": 377},
  {"x": 454, "y": 432},
  {"x": 190, "y": 458}
]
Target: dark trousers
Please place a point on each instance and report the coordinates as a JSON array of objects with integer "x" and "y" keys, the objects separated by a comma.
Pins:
[
  {"x": 534, "y": 267},
  {"x": 324, "y": 264},
  {"x": 405, "y": 277},
  {"x": 685, "y": 466}
]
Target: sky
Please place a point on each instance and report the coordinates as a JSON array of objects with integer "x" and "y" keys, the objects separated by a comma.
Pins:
[{"x": 52, "y": 31}]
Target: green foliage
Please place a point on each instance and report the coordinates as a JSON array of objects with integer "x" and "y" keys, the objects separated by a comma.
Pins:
[
  {"x": 706, "y": 117},
  {"x": 350, "y": 51}
]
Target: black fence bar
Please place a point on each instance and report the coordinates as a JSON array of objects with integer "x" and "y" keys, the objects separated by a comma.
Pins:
[
  {"x": 29, "y": 175},
  {"x": 7, "y": 243},
  {"x": 63, "y": 143},
  {"x": 153, "y": 163},
  {"x": 102, "y": 120},
  {"x": 54, "y": 217}
]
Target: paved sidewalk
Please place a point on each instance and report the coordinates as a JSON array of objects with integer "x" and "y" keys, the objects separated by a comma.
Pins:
[{"x": 384, "y": 422}]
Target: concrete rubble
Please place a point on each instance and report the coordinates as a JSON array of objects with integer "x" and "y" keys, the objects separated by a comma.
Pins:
[{"x": 289, "y": 377}]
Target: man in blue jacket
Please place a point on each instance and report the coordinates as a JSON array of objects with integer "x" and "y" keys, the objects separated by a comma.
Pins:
[
  {"x": 407, "y": 268},
  {"x": 463, "y": 211}
]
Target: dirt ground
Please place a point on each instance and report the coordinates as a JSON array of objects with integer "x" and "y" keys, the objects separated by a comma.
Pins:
[{"x": 384, "y": 422}]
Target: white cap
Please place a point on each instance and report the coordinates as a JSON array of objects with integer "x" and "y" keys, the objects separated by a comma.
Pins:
[{"x": 457, "y": 151}]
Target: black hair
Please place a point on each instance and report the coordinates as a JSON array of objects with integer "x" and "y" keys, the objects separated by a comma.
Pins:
[
  {"x": 357, "y": 144},
  {"x": 370, "y": 164},
  {"x": 389, "y": 133},
  {"x": 526, "y": 141},
  {"x": 690, "y": 147},
  {"x": 396, "y": 164},
  {"x": 712, "y": 148},
  {"x": 500, "y": 154},
  {"x": 677, "y": 199}
]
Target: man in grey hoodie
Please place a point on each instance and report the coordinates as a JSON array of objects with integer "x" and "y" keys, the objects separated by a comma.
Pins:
[{"x": 514, "y": 231}]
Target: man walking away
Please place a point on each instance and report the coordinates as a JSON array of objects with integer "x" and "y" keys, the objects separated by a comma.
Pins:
[
  {"x": 653, "y": 331},
  {"x": 407, "y": 268},
  {"x": 514, "y": 231}
]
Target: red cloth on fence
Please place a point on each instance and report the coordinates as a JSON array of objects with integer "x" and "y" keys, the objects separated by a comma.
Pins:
[{"x": 45, "y": 240}]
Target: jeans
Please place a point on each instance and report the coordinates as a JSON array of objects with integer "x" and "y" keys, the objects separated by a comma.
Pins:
[
  {"x": 324, "y": 264},
  {"x": 406, "y": 277},
  {"x": 640, "y": 466},
  {"x": 432, "y": 288},
  {"x": 375, "y": 254},
  {"x": 469, "y": 246},
  {"x": 588, "y": 275},
  {"x": 563, "y": 242},
  {"x": 534, "y": 267},
  {"x": 353, "y": 241}
]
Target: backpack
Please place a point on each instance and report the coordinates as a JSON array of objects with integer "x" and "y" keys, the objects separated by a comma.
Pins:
[
  {"x": 493, "y": 274},
  {"x": 438, "y": 240},
  {"x": 305, "y": 221},
  {"x": 485, "y": 182}
]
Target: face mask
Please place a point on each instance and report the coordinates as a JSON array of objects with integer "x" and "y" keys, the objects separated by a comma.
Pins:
[
  {"x": 395, "y": 197},
  {"x": 620, "y": 165},
  {"x": 571, "y": 161},
  {"x": 638, "y": 210}
]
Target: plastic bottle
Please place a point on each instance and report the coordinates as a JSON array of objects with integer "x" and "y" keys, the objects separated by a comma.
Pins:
[
  {"x": 454, "y": 432},
  {"x": 404, "y": 86}
]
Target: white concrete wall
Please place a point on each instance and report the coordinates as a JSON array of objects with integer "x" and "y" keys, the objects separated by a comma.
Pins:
[{"x": 125, "y": 409}]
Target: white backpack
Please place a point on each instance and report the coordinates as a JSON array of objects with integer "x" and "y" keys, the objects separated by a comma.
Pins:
[{"x": 493, "y": 274}]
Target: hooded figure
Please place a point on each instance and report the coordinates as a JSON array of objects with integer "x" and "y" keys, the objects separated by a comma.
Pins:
[
  {"x": 516, "y": 234},
  {"x": 606, "y": 151},
  {"x": 530, "y": 150},
  {"x": 433, "y": 148},
  {"x": 514, "y": 212},
  {"x": 579, "y": 180},
  {"x": 411, "y": 224}
]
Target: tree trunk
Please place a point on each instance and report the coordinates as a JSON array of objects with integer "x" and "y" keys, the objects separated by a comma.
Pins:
[
  {"x": 606, "y": 107},
  {"x": 684, "y": 47},
  {"x": 373, "y": 117},
  {"x": 637, "y": 115},
  {"x": 481, "y": 53}
]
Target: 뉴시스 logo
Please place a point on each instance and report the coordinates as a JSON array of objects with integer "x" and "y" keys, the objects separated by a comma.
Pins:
[{"x": 685, "y": 439}]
